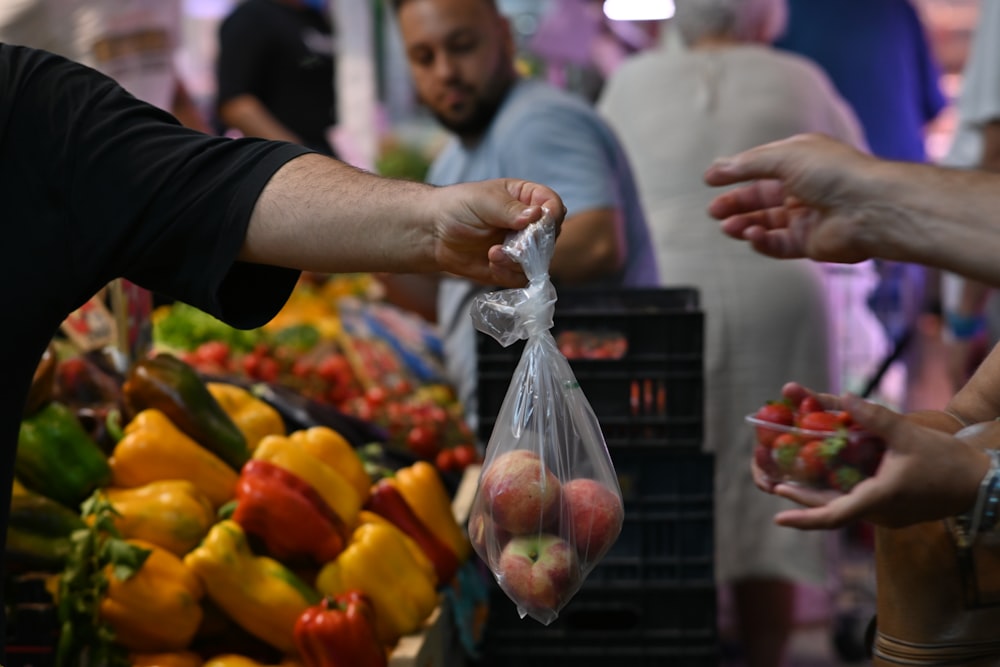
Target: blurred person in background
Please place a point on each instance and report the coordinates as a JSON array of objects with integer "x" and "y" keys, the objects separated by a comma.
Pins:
[
  {"x": 723, "y": 90},
  {"x": 135, "y": 42},
  {"x": 878, "y": 55},
  {"x": 461, "y": 57},
  {"x": 275, "y": 72},
  {"x": 971, "y": 308}
]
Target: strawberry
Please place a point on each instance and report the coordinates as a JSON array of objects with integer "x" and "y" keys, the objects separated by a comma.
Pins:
[
  {"x": 843, "y": 478},
  {"x": 762, "y": 457},
  {"x": 813, "y": 461},
  {"x": 809, "y": 404},
  {"x": 823, "y": 421},
  {"x": 863, "y": 451},
  {"x": 774, "y": 412},
  {"x": 785, "y": 451}
]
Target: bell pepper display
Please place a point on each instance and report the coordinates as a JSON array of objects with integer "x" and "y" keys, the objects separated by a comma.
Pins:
[
  {"x": 330, "y": 484},
  {"x": 252, "y": 416},
  {"x": 334, "y": 450},
  {"x": 154, "y": 449},
  {"x": 388, "y": 502},
  {"x": 260, "y": 594},
  {"x": 340, "y": 632},
  {"x": 171, "y": 513},
  {"x": 175, "y": 659},
  {"x": 236, "y": 660},
  {"x": 287, "y": 514},
  {"x": 38, "y": 531},
  {"x": 424, "y": 491},
  {"x": 158, "y": 607},
  {"x": 167, "y": 384},
  {"x": 378, "y": 562},
  {"x": 57, "y": 458}
]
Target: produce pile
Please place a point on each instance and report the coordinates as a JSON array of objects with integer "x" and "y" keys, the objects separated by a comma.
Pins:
[
  {"x": 189, "y": 522},
  {"x": 335, "y": 344}
]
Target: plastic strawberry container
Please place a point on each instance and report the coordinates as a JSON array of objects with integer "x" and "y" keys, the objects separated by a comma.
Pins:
[{"x": 835, "y": 459}]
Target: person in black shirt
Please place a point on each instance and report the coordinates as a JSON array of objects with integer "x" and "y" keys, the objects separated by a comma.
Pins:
[
  {"x": 97, "y": 185},
  {"x": 275, "y": 72}
]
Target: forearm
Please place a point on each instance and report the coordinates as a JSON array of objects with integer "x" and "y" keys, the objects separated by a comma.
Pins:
[
  {"x": 319, "y": 214},
  {"x": 979, "y": 400},
  {"x": 590, "y": 247},
  {"x": 246, "y": 114},
  {"x": 941, "y": 217}
]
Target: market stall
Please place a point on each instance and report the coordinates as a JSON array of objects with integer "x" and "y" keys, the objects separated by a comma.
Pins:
[{"x": 228, "y": 497}]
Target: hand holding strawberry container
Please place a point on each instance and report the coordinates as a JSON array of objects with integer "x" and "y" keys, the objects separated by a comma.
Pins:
[
  {"x": 548, "y": 507},
  {"x": 805, "y": 444}
]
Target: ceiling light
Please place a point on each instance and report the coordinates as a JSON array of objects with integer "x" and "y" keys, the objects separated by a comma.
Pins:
[{"x": 638, "y": 10}]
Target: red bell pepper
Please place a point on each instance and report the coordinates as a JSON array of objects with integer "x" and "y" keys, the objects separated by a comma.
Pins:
[
  {"x": 287, "y": 514},
  {"x": 340, "y": 632},
  {"x": 386, "y": 501}
]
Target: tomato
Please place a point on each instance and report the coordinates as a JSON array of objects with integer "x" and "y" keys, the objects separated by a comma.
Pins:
[
  {"x": 423, "y": 442},
  {"x": 268, "y": 369},
  {"x": 465, "y": 455},
  {"x": 446, "y": 460},
  {"x": 302, "y": 367},
  {"x": 213, "y": 352},
  {"x": 376, "y": 396},
  {"x": 250, "y": 364},
  {"x": 334, "y": 369}
]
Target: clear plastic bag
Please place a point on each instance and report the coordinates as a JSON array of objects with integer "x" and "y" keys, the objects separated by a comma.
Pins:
[{"x": 548, "y": 506}]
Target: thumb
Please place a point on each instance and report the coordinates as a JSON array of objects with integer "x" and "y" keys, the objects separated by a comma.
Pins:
[{"x": 875, "y": 418}]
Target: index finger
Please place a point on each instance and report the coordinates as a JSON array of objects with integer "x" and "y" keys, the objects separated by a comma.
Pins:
[{"x": 759, "y": 196}]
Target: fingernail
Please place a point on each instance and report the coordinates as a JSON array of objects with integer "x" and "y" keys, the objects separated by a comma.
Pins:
[{"x": 722, "y": 163}]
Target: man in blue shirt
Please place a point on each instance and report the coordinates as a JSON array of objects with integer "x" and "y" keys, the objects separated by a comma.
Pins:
[{"x": 461, "y": 57}]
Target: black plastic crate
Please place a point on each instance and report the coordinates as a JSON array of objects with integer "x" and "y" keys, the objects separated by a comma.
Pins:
[
  {"x": 640, "y": 625},
  {"x": 637, "y": 355},
  {"x": 704, "y": 655},
  {"x": 667, "y": 534}
]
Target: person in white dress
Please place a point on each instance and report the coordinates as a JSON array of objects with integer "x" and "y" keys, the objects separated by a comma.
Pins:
[{"x": 716, "y": 88}]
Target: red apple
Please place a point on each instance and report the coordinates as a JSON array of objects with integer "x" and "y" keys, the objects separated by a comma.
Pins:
[
  {"x": 540, "y": 573},
  {"x": 521, "y": 494},
  {"x": 594, "y": 514}
]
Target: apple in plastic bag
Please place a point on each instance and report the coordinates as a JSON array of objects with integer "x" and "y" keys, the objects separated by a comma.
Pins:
[
  {"x": 539, "y": 572},
  {"x": 483, "y": 532},
  {"x": 594, "y": 513},
  {"x": 521, "y": 493}
]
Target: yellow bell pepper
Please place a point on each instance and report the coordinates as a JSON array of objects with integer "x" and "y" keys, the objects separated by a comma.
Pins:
[
  {"x": 364, "y": 516},
  {"x": 252, "y": 416},
  {"x": 423, "y": 490},
  {"x": 260, "y": 594},
  {"x": 378, "y": 563},
  {"x": 333, "y": 449},
  {"x": 235, "y": 660},
  {"x": 157, "y": 608},
  {"x": 170, "y": 513},
  {"x": 153, "y": 449},
  {"x": 178, "y": 659},
  {"x": 330, "y": 484}
]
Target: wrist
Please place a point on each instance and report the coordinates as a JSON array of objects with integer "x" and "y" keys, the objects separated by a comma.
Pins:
[{"x": 984, "y": 514}]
